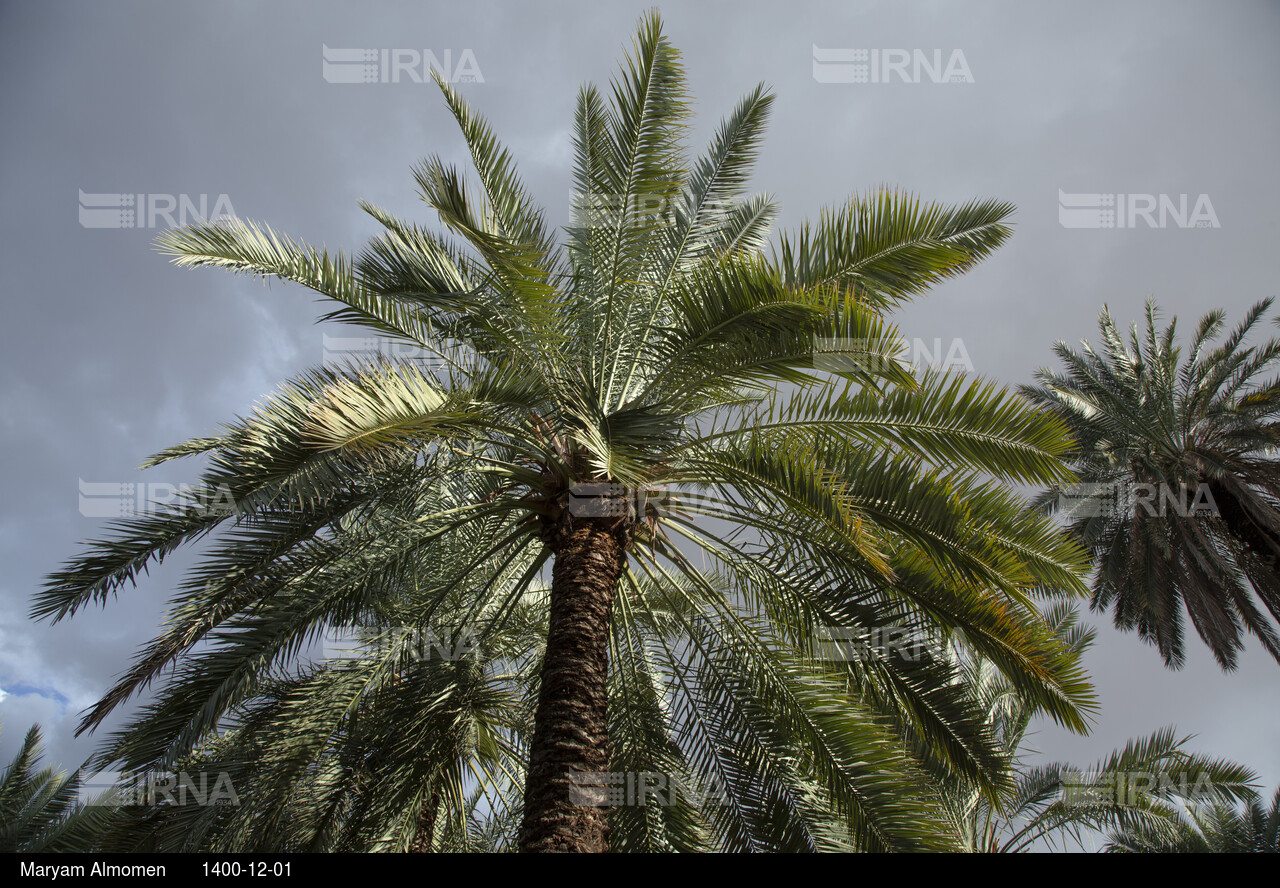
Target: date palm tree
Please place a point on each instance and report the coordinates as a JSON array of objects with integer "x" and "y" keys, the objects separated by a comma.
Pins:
[
  {"x": 392, "y": 733},
  {"x": 1179, "y": 499},
  {"x": 1214, "y": 829},
  {"x": 1145, "y": 788},
  {"x": 41, "y": 809},
  {"x": 698, "y": 441}
]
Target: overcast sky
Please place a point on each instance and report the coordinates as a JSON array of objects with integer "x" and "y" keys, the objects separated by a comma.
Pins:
[{"x": 111, "y": 354}]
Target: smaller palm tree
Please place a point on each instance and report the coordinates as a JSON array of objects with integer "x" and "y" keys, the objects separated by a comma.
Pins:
[
  {"x": 39, "y": 810},
  {"x": 1180, "y": 493},
  {"x": 388, "y": 738},
  {"x": 1221, "y": 829},
  {"x": 1142, "y": 789}
]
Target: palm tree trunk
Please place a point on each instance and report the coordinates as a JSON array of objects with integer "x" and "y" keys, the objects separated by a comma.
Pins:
[
  {"x": 426, "y": 824},
  {"x": 570, "y": 732}
]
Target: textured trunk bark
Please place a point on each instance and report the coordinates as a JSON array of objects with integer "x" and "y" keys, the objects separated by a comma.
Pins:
[
  {"x": 570, "y": 731},
  {"x": 426, "y": 824}
]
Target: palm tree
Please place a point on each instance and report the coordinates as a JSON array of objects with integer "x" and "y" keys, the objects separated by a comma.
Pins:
[
  {"x": 40, "y": 810},
  {"x": 391, "y": 739},
  {"x": 1144, "y": 787},
  {"x": 1184, "y": 444},
  {"x": 1217, "y": 829},
  {"x": 637, "y": 414}
]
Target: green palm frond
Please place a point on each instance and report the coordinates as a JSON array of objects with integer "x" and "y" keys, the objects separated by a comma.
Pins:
[{"x": 889, "y": 247}]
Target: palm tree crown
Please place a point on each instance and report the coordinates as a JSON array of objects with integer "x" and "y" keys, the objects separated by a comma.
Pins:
[
  {"x": 1221, "y": 828},
  {"x": 44, "y": 810},
  {"x": 677, "y": 451},
  {"x": 1180, "y": 493},
  {"x": 1149, "y": 785}
]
